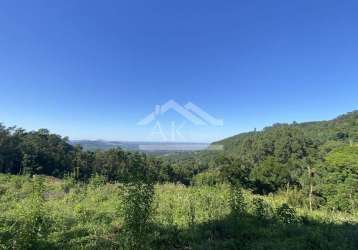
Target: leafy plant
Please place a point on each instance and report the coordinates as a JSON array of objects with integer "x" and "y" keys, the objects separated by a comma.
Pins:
[
  {"x": 237, "y": 200},
  {"x": 286, "y": 214},
  {"x": 33, "y": 223},
  {"x": 261, "y": 208},
  {"x": 136, "y": 212}
]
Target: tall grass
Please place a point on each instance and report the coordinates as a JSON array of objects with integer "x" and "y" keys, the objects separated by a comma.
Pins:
[{"x": 53, "y": 214}]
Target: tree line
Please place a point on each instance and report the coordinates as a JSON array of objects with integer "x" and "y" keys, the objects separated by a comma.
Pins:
[{"x": 44, "y": 153}]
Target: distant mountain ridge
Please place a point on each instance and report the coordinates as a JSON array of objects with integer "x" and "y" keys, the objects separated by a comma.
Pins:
[
  {"x": 93, "y": 145},
  {"x": 105, "y": 145}
]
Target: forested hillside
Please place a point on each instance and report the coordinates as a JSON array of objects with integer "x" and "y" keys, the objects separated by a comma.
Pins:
[
  {"x": 317, "y": 158},
  {"x": 343, "y": 129}
]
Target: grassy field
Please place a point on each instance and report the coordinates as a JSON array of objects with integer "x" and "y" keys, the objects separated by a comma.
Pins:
[{"x": 62, "y": 214}]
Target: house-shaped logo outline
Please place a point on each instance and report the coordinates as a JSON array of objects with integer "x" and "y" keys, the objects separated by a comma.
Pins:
[{"x": 190, "y": 111}]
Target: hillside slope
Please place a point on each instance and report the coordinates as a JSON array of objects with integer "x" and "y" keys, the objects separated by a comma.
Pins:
[{"x": 344, "y": 129}]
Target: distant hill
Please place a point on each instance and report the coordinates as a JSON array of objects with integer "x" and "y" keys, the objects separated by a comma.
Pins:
[
  {"x": 154, "y": 147},
  {"x": 344, "y": 128},
  {"x": 105, "y": 145}
]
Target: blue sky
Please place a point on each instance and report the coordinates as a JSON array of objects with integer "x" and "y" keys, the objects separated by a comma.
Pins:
[{"x": 93, "y": 69}]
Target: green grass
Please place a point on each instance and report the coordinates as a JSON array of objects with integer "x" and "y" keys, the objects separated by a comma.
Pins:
[{"x": 78, "y": 216}]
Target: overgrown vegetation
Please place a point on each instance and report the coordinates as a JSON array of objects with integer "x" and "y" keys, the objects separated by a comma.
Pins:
[{"x": 42, "y": 213}]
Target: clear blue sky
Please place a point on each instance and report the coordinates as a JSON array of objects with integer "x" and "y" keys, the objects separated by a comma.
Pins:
[{"x": 93, "y": 69}]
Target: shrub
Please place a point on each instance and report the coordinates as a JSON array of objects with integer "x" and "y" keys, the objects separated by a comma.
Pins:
[
  {"x": 295, "y": 198},
  {"x": 32, "y": 222},
  {"x": 136, "y": 212},
  {"x": 97, "y": 181},
  {"x": 237, "y": 200},
  {"x": 209, "y": 177},
  {"x": 286, "y": 214},
  {"x": 68, "y": 183},
  {"x": 261, "y": 208}
]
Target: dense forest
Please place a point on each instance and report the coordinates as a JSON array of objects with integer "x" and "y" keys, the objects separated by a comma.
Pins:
[{"x": 292, "y": 177}]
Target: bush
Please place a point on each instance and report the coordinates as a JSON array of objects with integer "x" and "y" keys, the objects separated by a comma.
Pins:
[
  {"x": 209, "y": 178},
  {"x": 68, "y": 183},
  {"x": 295, "y": 198},
  {"x": 32, "y": 223},
  {"x": 261, "y": 208},
  {"x": 97, "y": 181},
  {"x": 237, "y": 200},
  {"x": 286, "y": 214},
  {"x": 136, "y": 211}
]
